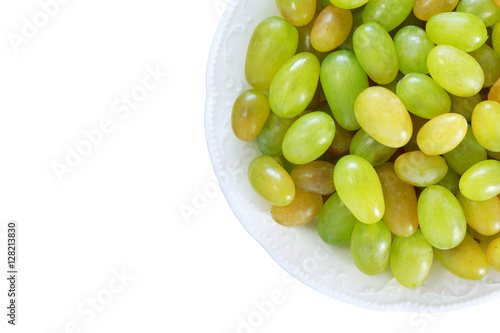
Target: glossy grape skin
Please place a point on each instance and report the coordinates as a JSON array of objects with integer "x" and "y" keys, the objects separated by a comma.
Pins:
[
  {"x": 486, "y": 10},
  {"x": 422, "y": 96},
  {"x": 464, "y": 105},
  {"x": 442, "y": 62},
  {"x": 450, "y": 181},
  {"x": 331, "y": 28},
  {"x": 348, "y": 4},
  {"x": 412, "y": 46},
  {"x": 271, "y": 181},
  {"x": 273, "y": 42},
  {"x": 383, "y": 116},
  {"x": 419, "y": 169},
  {"x": 359, "y": 188},
  {"x": 489, "y": 61},
  {"x": 343, "y": 79},
  {"x": 493, "y": 254},
  {"x": 387, "y": 13},
  {"x": 297, "y": 12},
  {"x": 466, "y": 260},
  {"x": 249, "y": 114},
  {"x": 370, "y": 247},
  {"x": 441, "y": 217},
  {"x": 400, "y": 202},
  {"x": 341, "y": 141},
  {"x": 411, "y": 259},
  {"x": 308, "y": 137},
  {"x": 335, "y": 222},
  {"x": 375, "y": 51},
  {"x": 482, "y": 216},
  {"x": 370, "y": 149},
  {"x": 303, "y": 209},
  {"x": 442, "y": 134},
  {"x": 486, "y": 125},
  {"x": 481, "y": 181},
  {"x": 270, "y": 138},
  {"x": 425, "y": 9},
  {"x": 466, "y": 154},
  {"x": 314, "y": 177},
  {"x": 294, "y": 85},
  {"x": 462, "y": 30}
]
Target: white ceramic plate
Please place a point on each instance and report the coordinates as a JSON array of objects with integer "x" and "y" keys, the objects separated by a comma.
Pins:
[{"x": 299, "y": 250}]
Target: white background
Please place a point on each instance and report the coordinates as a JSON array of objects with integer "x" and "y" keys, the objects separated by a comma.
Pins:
[{"x": 118, "y": 211}]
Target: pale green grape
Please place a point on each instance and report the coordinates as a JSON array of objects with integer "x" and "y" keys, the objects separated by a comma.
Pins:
[
  {"x": 456, "y": 71},
  {"x": 411, "y": 259},
  {"x": 422, "y": 96},
  {"x": 489, "y": 61},
  {"x": 348, "y": 4},
  {"x": 466, "y": 154},
  {"x": 294, "y": 85},
  {"x": 343, "y": 79},
  {"x": 486, "y": 10},
  {"x": 481, "y": 181},
  {"x": 271, "y": 181},
  {"x": 370, "y": 247},
  {"x": 297, "y": 12},
  {"x": 419, "y": 169},
  {"x": 359, "y": 188},
  {"x": 412, "y": 46},
  {"x": 388, "y": 13},
  {"x": 273, "y": 42},
  {"x": 486, "y": 125},
  {"x": 441, "y": 217},
  {"x": 270, "y": 138},
  {"x": 308, "y": 137},
  {"x": 442, "y": 134},
  {"x": 335, "y": 222},
  {"x": 370, "y": 149},
  {"x": 462, "y": 30},
  {"x": 375, "y": 51}
]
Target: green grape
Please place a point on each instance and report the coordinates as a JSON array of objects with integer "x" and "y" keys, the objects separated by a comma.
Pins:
[
  {"x": 419, "y": 169},
  {"x": 486, "y": 10},
  {"x": 489, "y": 61},
  {"x": 466, "y": 154},
  {"x": 464, "y": 105},
  {"x": 376, "y": 53},
  {"x": 271, "y": 181},
  {"x": 303, "y": 209},
  {"x": 442, "y": 134},
  {"x": 370, "y": 247},
  {"x": 383, "y": 116},
  {"x": 482, "y": 216},
  {"x": 348, "y": 4},
  {"x": 270, "y": 138},
  {"x": 495, "y": 38},
  {"x": 466, "y": 260},
  {"x": 343, "y": 79},
  {"x": 314, "y": 177},
  {"x": 249, "y": 114},
  {"x": 357, "y": 20},
  {"x": 462, "y": 30},
  {"x": 486, "y": 125},
  {"x": 443, "y": 61},
  {"x": 370, "y": 149},
  {"x": 411, "y": 259},
  {"x": 411, "y": 20},
  {"x": 335, "y": 222},
  {"x": 359, "y": 188},
  {"x": 400, "y": 202},
  {"x": 273, "y": 42},
  {"x": 308, "y": 138},
  {"x": 387, "y": 13},
  {"x": 297, "y": 12},
  {"x": 331, "y": 28},
  {"x": 294, "y": 85},
  {"x": 441, "y": 217},
  {"x": 493, "y": 254},
  {"x": 450, "y": 181},
  {"x": 412, "y": 46},
  {"x": 422, "y": 96},
  {"x": 481, "y": 181},
  {"x": 425, "y": 9}
]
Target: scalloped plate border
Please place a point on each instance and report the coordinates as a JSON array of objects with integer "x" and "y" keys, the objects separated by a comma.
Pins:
[{"x": 296, "y": 250}]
